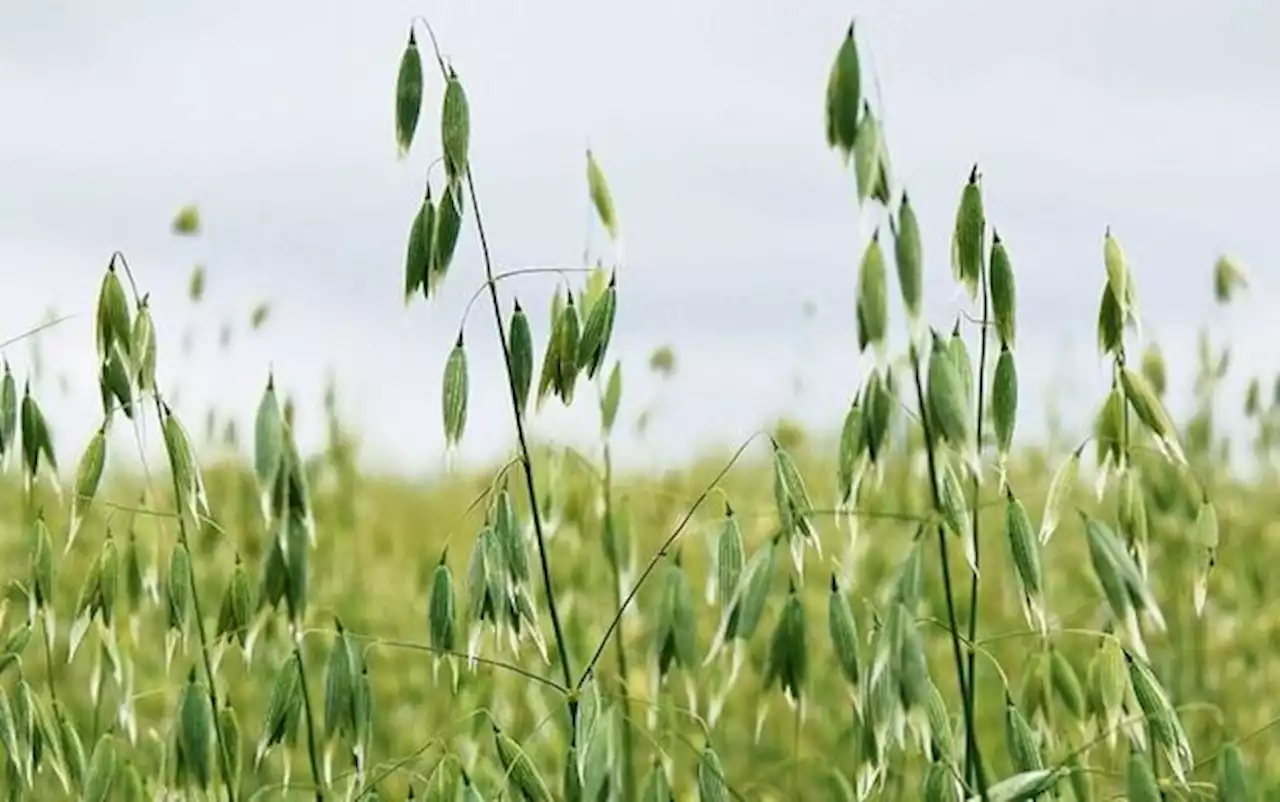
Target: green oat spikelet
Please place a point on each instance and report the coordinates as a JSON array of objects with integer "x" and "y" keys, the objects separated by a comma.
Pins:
[
  {"x": 526, "y": 782},
  {"x": 283, "y": 710},
  {"x": 729, "y": 556},
  {"x": 593, "y": 345},
  {"x": 795, "y": 509},
  {"x": 872, "y": 311},
  {"x": 567, "y": 333},
  {"x": 88, "y": 477},
  {"x": 114, "y": 328},
  {"x": 601, "y": 198},
  {"x": 1004, "y": 405},
  {"x": 455, "y": 129},
  {"x": 455, "y": 390},
  {"x": 444, "y": 239},
  {"x": 1146, "y": 404},
  {"x": 1231, "y": 776},
  {"x": 1140, "y": 783},
  {"x": 143, "y": 346},
  {"x": 954, "y": 507},
  {"x": 871, "y": 159},
  {"x": 236, "y": 609},
  {"x": 520, "y": 351},
  {"x": 967, "y": 238},
  {"x": 1020, "y": 740},
  {"x": 611, "y": 398},
  {"x": 788, "y": 662},
  {"x": 1024, "y": 548},
  {"x": 1066, "y": 684},
  {"x": 1061, "y": 487},
  {"x": 907, "y": 253},
  {"x": 656, "y": 787},
  {"x": 195, "y": 731},
  {"x": 1166, "y": 728},
  {"x": 418, "y": 253},
  {"x": 8, "y": 415},
  {"x": 844, "y": 96},
  {"x": 711, "y": 781},
  {"x": 102, "y": 770},
  {"x": 947, "y": 401},
  {"x": 1228, "y": 277},
  {"x": 408, "y": 95},
  {"x": 1205, "y": 541},
  {"x": 843, "y": 629},
  {"x": 1003, "y": 292}
]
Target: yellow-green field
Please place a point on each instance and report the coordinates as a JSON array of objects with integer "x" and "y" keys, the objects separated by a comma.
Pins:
[
  {"x": 380, "y": 539},
  {"x": 802, "y": 625}
]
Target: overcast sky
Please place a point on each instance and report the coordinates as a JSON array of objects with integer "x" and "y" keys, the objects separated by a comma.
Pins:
[{"x": 276, "y": 118}]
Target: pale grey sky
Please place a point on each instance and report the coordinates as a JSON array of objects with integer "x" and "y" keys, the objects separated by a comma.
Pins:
[{"x": 1159, "y": 120}]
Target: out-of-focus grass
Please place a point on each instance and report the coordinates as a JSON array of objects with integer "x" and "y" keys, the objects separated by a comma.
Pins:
[{"x": 380, "y": 538}]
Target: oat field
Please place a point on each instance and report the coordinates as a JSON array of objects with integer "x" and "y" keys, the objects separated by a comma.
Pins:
[{"x": 921, "y": 607}]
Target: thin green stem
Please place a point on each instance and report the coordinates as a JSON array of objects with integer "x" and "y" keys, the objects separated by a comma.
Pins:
[
  {"x": 1124, "y": 446},
  {"x": 374, "y": 640},
  {"x": 659, "y": 555},
  {"x": 977, "y": 485},
  {"x": 620, "y": 644},
  {"x": 969, "y": 724},
  {"x": 312, "y": 752},
  {"x": 525, "y": 458},
  {"x": 224, "y": 758}
]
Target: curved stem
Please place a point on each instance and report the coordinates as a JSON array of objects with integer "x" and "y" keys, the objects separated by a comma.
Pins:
[
  {"x": 522, "y": 271},
  {"x": 969, "y": 726},
  {"x": 374, "y": 640}
]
